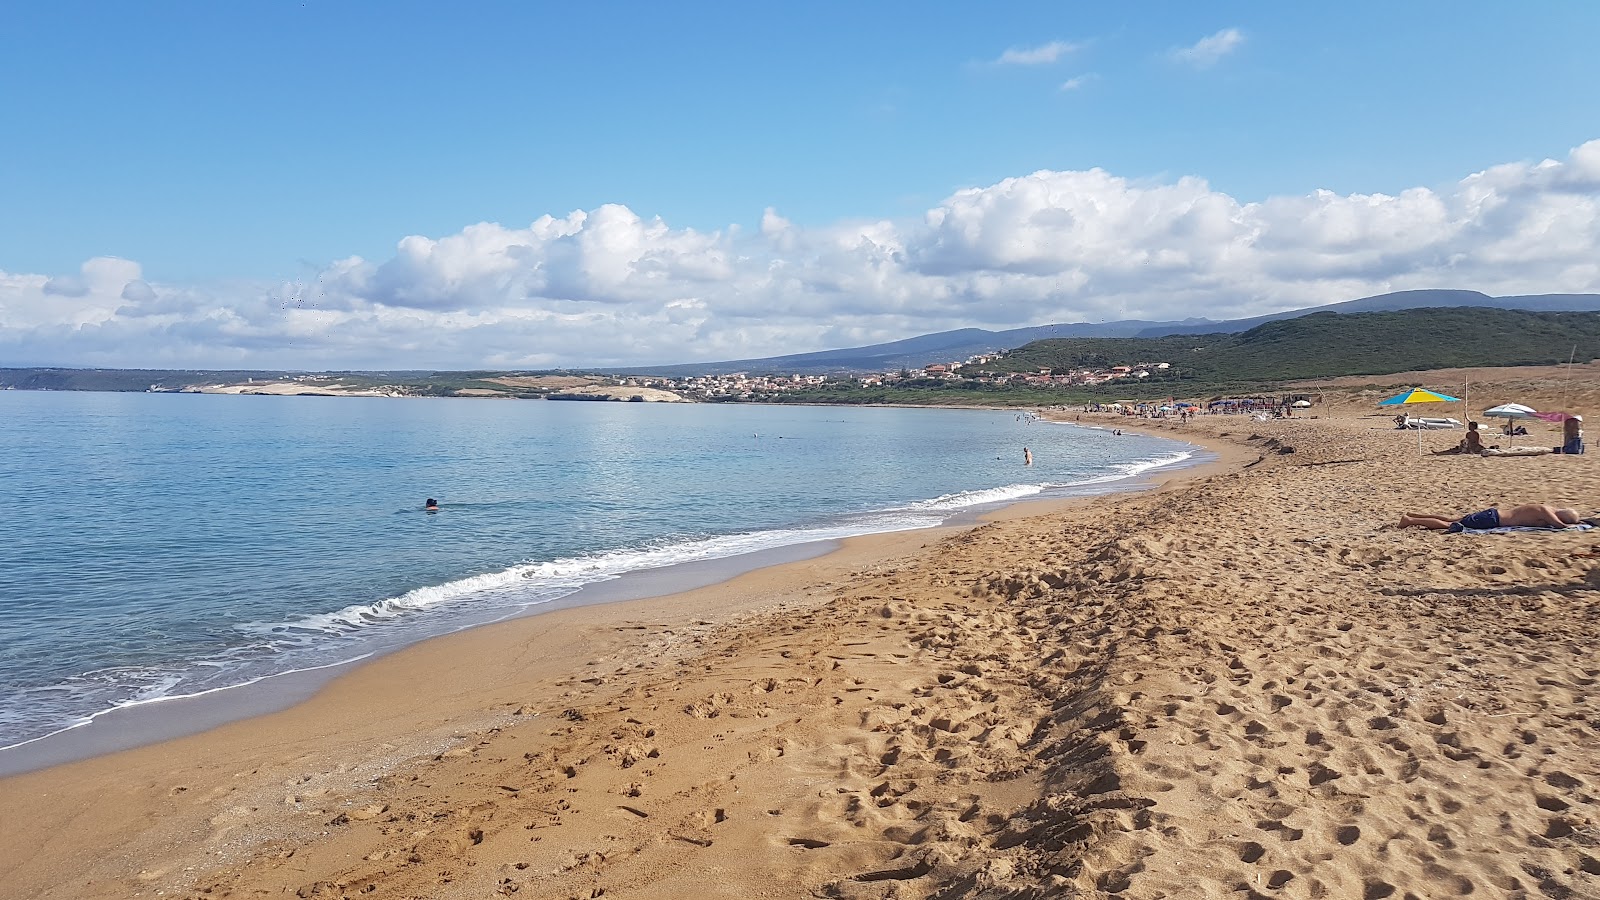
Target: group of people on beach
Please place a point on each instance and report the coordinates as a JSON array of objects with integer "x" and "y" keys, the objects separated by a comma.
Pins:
[
  {"x": 1571, "y": 438},
  {"x": 1527, "y": 515}
]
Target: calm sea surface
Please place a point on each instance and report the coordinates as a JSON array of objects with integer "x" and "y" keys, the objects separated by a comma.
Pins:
[{"x": 164, "y": 545}]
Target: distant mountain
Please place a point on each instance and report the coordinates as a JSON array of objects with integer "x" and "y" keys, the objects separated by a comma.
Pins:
[
  {"x": 1394, "y": 302},
  {"x": 910, "y": 353},
  {"x": 952, "y": 346}
]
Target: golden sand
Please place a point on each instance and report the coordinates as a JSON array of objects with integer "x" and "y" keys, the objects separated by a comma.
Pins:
[{"x": 1247, "y": 684}]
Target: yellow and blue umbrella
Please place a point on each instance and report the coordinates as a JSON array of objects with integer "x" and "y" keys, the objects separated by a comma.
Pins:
[{"x": 1419, "y": 395}]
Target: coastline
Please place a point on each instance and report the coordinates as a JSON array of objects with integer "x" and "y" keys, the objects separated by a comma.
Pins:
[
  {"x": 169, "y": 718},
  {"x": 377, "y": 696},
  {"x": 156, "y": 721},
  {"x": 1242, "y": 677}
]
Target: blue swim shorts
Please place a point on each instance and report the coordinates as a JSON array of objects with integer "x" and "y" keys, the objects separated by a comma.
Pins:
[{"x": 1478, "y": 521}]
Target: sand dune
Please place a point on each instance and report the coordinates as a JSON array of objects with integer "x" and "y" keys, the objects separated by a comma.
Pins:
[{"x": 1247, "y": 684}]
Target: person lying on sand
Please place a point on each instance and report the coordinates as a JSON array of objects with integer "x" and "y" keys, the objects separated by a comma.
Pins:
[{"x": 1528, "y": 515}]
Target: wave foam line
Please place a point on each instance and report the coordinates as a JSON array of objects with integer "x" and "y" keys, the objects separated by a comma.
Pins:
[
  {"x": 162, "y": 698},
  {"x": 530, "y": 583},
  {"x": 551, "y": 579},
  {"x": 962, "y": 499}
]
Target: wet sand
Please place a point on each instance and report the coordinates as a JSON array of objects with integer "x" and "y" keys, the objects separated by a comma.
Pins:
[{"x": 1248, "y": 683}]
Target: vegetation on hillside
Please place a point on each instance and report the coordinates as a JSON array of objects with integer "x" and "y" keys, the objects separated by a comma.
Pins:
[
  {"x": 1329, "y": 344},
  {"x": 930, "y": 392},
  {"x": 1259, "y": 360}
]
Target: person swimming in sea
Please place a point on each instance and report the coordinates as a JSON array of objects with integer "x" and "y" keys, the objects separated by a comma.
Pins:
[{"x": 431, "y": 505}]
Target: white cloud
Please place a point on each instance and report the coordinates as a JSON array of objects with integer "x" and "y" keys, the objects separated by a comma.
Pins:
[
  {"x": 1076, "y": 82},
  {"x": 1208, "y": 50},
  {"x": 772, "y": 224},
  {"x": 607, "y": 287},
  {"x": 1044, "y": 54},
  {"x": 91, "y": 296},
  {"x": 138, "y": 292}
]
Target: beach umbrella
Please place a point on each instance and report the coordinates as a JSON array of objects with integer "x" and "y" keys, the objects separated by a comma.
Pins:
[
  {"x": 1511, "y": 412},
  {"x": 1301, "y": 404},
  {"x": 1418, "y": 395}
]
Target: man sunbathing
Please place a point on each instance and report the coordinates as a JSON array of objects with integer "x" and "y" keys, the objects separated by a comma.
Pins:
[{"x": 1528, "y": 515}]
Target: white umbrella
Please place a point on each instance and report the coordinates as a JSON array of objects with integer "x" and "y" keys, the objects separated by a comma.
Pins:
[
  {"x": 1510, "y": 412},
  {"x": 1301, "y": 404}
]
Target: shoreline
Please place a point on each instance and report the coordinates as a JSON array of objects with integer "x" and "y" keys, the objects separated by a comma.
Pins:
[
  {"x": 157, "y": 721},
  {"x": 1244, "y": 677},
  {"x": 478, "y": 683}
]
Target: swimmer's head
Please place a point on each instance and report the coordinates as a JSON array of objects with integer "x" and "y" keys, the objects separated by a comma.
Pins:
[{"x": 431, "y": 504}]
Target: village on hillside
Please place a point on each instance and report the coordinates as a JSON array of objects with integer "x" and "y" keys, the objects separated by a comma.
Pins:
[{"x": 743, "y": 386}]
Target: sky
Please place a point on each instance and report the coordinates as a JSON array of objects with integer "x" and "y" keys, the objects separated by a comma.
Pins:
[{"x": 326, "y": 186}]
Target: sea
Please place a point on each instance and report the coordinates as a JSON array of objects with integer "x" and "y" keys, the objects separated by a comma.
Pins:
[{"x": 161, "y": 546}]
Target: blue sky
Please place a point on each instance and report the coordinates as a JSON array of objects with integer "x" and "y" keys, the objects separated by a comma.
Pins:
[{"x": 234, "y": 152}]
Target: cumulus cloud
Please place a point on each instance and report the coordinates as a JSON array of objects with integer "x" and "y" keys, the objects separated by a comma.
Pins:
[
  {"x": 607, "y": 287},
  {"x": 1044, "y": 54},
  {"x": 1208, "y": 50},
  {"x": 66, "y": 286},
  {"x": 138, "y": 292},
  {"x": 91, "y": 295}
]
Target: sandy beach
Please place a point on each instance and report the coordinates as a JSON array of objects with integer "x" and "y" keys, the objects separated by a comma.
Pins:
[{"x": 1247, "y": 682}]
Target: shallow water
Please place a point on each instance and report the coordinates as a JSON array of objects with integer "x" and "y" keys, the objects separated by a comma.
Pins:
[{"x": 164, "y": 545}]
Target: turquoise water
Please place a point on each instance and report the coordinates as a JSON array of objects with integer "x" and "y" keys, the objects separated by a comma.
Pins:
[{"x": 164, "y": 545}]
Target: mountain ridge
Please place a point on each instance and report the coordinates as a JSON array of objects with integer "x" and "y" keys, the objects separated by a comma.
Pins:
[{"x": 964, "y": 343}]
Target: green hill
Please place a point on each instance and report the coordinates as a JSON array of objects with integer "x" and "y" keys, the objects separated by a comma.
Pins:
[{"x": 1328, "y": 344}]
